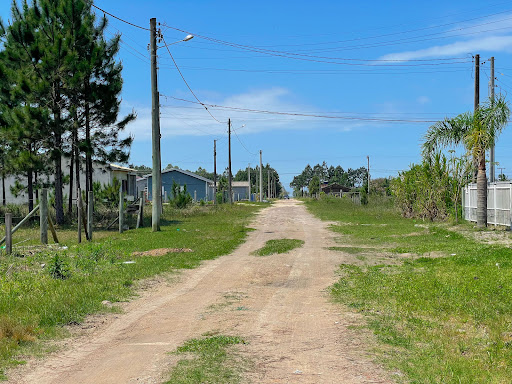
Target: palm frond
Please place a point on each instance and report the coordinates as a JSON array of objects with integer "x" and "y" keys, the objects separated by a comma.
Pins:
[{"x": 450, "y": 131}]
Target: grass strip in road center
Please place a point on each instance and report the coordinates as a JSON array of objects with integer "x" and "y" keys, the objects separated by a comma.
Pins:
[
  {"x": 212, "y": 360},
  {"x": 279, "y": 246},
  {"x": 444, "y": 313}
]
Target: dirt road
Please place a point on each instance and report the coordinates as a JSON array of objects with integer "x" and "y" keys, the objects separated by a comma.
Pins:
[{"x": 277, "y": 303}]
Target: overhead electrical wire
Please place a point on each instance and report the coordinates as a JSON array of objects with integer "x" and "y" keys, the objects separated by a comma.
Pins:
[
  {"x": 390, "y": 34},
  {"x": 243, "y": 145},
  {"x": 307, "y": 115},
  {"x": 186, "y": 83},
  {"x": 333, "y": 112},
  {"x": 332, "y": 60},
  {"x": 118, "y": 18},
  {"x": 389, "y": 71}
]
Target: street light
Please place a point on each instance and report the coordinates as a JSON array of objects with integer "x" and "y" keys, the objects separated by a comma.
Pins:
[{"x": 187, "y": 38}]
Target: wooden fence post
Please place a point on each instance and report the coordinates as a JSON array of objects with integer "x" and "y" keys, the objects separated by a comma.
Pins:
[
  {"x": 43, "y": 216},
  {"x": 89, "y": 215},
  {"x": 121, "y": 209},
  {"x": 140, "y": 216},
  {"x": 79, "y": 210},
  {"x": 8, "y": 233}
]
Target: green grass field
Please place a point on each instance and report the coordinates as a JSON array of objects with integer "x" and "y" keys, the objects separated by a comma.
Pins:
[
  {"x": 41, "y": 291},
  {"x": 443, "y": 316}
]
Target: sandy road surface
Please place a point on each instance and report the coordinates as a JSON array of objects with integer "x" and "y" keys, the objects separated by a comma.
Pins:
[{"x": 278, "y": 303}]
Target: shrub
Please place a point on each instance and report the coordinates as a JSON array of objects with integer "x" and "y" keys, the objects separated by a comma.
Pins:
[
  {"x": 58, "y": 267},
  {"x": 180, "y": 199},
  {"x": 425, "y": 190}
]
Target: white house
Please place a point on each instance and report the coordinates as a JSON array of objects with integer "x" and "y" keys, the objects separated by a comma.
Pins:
[{"x": 103, "y": 173}]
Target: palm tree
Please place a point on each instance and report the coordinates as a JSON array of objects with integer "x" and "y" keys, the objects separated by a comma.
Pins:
[{"x": 477, "y": 131}]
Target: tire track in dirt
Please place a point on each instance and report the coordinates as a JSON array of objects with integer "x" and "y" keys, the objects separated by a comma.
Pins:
[{"x": 278, "y": 303}]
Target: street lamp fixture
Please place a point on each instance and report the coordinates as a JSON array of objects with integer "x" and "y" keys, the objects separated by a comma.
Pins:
[{"x": 187, "y": 38}]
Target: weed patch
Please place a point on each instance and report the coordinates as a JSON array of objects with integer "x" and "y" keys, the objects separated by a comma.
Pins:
[
  {"x": 279, "y": 246},
  {"x": 212, "y": 361}
]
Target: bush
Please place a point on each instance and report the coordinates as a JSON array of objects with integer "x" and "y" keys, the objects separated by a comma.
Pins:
[
  {"x": 364, "y": 195},
  {"x": 425, "y": 190}
]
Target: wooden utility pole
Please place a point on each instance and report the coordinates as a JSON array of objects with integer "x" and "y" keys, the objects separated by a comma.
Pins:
[
  {"x": 257, "y": 182},
  {"x": 249, "y": 180},
  {"x": 368, "y": 157},
  {"x": 215, "y": 172},
  {"x": 491, "y": 96},
  {"x": 477, "y": 103},
  {"x": 155, "y": 125},
  {"x": 261, "y": 179},
  {"x": 268, "y": 183},
  {"x": 501, "y": 171},
  {"x": 229, "y": 165},
  {"x": 477, "y": 81}
]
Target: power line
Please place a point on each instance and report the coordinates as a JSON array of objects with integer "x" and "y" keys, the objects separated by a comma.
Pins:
[
  {"x": 326, "y": 59},
  {"x": 118, "y": 18},
  {"x": 243, "y": 145},
  {"x": 185, "y": 81},
  {"x": 309, "y": 115},
  {"x": 323, "y": 72},
  {"x": 442, "y": 115},
  {"x": 394, "y": 33}
]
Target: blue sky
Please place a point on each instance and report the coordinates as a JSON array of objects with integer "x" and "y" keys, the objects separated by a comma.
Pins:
[{"x": 318, "y": 83}]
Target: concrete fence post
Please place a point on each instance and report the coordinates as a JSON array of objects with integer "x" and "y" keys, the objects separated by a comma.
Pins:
[{"x": 43, "y": 216}]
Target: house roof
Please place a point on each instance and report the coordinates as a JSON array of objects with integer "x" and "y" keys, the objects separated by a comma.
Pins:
[
  {"x": 116, "y": 167},
  {"x": 191, "y": 174},
  {"x": 240, "y": 184}
]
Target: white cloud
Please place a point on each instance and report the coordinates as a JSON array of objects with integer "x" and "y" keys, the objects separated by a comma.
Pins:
[
  {"x": 492, "y": 35},
  {"x": 486, "y": 44},
  {"x": 423, "y": 100},
  {"x": 189, "y": 119}
]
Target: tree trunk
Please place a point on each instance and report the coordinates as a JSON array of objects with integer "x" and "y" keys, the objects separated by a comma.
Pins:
[
  {"x": 59, "y": 209},
  {"x": 481, "y": 187},
  {"x": 76, "y": 153},
  {"x": 88, "y": 158}
]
